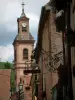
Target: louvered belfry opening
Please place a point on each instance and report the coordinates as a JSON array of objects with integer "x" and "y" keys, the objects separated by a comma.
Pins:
[{"x": 25, "y": 53}]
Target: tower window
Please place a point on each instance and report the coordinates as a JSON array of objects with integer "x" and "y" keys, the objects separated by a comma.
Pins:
[
  {"x": 15, "y": 54},
  {"x": 24, "y": 29},
  {"x": 25, "y": 53}
]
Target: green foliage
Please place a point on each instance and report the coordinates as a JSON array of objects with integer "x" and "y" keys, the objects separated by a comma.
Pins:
[
  {"x": 2, "y": 65},
  {"x": 13, "y": 87},
  {"x": 8, "y": 65}
]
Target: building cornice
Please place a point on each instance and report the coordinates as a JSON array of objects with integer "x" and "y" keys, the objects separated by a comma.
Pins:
[
  {"x": 22, "y": 18},
  {"x": 24, "y": 41}
]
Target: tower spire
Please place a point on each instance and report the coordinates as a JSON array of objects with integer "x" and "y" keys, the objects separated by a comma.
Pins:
[{"x": 23, "y": 14}]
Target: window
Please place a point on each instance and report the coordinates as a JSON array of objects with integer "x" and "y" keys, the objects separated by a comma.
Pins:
[
  {"x": 25, "y": 53},
  {"x": 27, "y": 88},
  {"x": 15, "y": 54},
  {"x": 24, "y": 29},
  {"x": 58, "y": 22}
]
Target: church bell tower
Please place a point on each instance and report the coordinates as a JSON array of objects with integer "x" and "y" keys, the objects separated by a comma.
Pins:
[{"x": 23, "y": 46}]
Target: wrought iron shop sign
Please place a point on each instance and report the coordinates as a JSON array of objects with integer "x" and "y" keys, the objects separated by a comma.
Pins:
[{"x": 31, "y": 68}]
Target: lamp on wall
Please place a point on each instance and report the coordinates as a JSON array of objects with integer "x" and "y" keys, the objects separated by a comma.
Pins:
[
  {"x": 21, "y": 94},
  {"x": 20, "y": 86}
]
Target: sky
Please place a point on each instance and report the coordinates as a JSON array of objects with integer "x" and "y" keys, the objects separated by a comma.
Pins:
[{"x": 10, "y": 10}]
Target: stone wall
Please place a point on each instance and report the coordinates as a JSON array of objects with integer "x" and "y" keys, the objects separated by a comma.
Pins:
[{"x": 5, "y": 84}]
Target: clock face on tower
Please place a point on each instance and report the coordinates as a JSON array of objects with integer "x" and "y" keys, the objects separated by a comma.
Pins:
[
  {"x": 24, "y": 27},
  {"x": 24, "y": 24}
]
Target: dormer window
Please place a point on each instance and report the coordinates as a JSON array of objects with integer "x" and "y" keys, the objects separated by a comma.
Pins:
[{"x": 25, "y": 53}]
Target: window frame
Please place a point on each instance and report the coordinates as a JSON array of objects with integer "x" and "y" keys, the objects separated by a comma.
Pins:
[{"x": 25, "y": 53}]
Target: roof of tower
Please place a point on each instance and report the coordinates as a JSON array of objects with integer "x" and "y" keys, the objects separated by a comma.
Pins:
[{"x": 24, "y": 37}]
